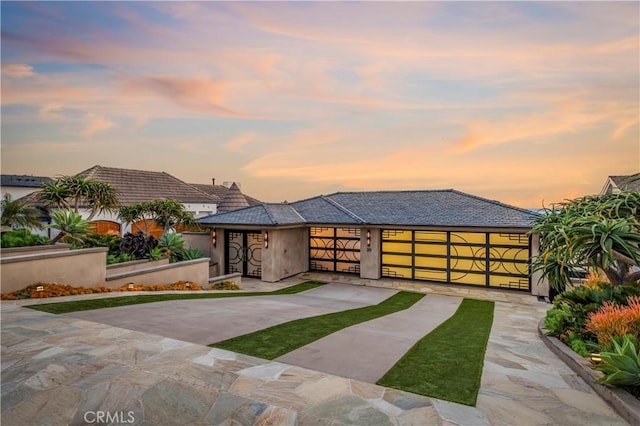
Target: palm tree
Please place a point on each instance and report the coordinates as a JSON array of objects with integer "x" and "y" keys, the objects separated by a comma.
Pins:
[
  {"x": 71, "y": 226},
  {"x": 17, "y": 214}
]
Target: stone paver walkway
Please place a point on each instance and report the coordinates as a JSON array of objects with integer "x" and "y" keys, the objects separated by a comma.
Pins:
[
  {"x": 56, "y": 369},
  {"x": 368, "y": 350},
  {"x": 206, "y": 321}
]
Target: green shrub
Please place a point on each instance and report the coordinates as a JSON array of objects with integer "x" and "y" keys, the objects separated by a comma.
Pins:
[
  {"x": 578, "y": 345},
  {"x": 120, "y": 258},
  {"x": 155, "y": 254},
  {"x": 192, "y": 253},
  {"x": 112, "y": 242},
  {"x": 572, "y": 308},
  {"x": 21, "y": 238},
  {"x": 622, "y": 364}
]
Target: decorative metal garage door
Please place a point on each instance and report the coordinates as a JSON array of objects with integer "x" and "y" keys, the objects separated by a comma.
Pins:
[
  {"x": 334, "y": 250},
  {"x": 476, "y": 258},
  {"x": 244, "y": 253}
]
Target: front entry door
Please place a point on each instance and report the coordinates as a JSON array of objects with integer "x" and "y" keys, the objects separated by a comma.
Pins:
[{"x": 244, "y": 253}]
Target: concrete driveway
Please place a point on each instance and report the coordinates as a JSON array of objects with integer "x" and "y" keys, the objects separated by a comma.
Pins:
[{"x": 205, "y": 321}]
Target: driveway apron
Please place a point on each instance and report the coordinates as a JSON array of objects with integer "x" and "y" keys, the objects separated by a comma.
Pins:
[
  {"x": 367, "y": 351},
  {"x": 206, "y": 321}
]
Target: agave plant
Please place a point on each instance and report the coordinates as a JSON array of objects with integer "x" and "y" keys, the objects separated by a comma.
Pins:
[
  {"x": 71, "y": 226},
  {"x": 173, "y": 245},
  {"x": 622, "y": 365}
]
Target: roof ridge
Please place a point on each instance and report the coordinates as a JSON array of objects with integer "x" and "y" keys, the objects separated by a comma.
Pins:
[
  {"x": 344, "y": 209},
  {"x": 498, "y": 203},
  {"x": 296, "y": 212},
  {"x": 189, "y": 185},
  {"x": 266, "y": 210}
]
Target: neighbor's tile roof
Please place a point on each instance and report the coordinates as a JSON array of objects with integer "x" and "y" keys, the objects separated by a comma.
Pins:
[
  {"x": 136, "y": 186},
  {"x": 24, "y": 181},
  {"x": 220, "y": 191},
  {"x": 392, "y": 208},
  {"x": 628, "y": 182}
]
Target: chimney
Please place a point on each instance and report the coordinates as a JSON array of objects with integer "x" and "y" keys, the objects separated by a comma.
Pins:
[{"x": 213, "y": 181}]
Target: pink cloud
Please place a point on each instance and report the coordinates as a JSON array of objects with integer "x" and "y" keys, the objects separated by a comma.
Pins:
[
  {"x": 97, "y": 125},
  {"x": 17, "y": 70}
]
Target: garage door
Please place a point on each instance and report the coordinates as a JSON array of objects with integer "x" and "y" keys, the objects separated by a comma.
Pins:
[
  {"x": 334, "y": 250},
  {"x": 475, "y": 258}
]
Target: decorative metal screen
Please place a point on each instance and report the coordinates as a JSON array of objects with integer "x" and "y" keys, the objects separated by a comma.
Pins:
[
  {"x": 474, "y": 258},
  {"x": 244, "y": 253},
  {"x": 334, "y": 250}
]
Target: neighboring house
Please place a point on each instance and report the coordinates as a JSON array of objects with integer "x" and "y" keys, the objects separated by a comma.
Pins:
[
  {"x": 616, "y": 184},
  {"x": 137, "y": 186},
  {"x": 18, "y": 186},
  {"x": 441, "y": 236},
  {"x": 221, "y": 191}
]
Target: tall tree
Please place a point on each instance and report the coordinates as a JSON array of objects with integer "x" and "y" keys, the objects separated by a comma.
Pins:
[{"x": 18, "y": 214}]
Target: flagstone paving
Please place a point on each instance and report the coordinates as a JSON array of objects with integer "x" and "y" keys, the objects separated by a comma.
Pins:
[{"x": 59, "y": 369}]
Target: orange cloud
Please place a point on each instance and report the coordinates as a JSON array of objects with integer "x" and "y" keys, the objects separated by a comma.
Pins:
[{"x": 97, "y": 125}]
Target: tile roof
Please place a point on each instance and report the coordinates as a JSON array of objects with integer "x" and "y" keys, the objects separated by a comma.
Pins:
[
  {"x": 260, "y": 215},
  {"x": 233, "y": 200},
  {"x": 24, "y": 181},
  {"x": 627, "y": 182},
  {"x": 135, "y": 186},
  {"x": 220, "y": 191},
  {"x": 392, "y": 208}
]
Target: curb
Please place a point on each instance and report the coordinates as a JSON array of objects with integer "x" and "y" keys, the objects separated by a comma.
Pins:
[{"x": 622, "y": 401}]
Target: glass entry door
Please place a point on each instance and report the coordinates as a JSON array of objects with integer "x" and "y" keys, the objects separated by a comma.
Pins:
[{"x": 244, "y": 253}]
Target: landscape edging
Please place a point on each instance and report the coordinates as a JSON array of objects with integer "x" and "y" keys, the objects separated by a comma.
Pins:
[{"x": 622, "y": 401}]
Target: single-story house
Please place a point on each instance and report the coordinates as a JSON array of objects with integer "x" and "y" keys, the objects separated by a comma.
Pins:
[{"x": 442, "y": 236}]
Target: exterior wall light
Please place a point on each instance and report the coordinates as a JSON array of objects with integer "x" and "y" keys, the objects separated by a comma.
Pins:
[
  {"x": 266, "y": 239},
  {"x": 214, "y": 236},
  {"x": 369, "y": 238}
]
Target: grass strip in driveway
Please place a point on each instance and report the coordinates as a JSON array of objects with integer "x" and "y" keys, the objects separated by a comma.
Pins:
[
  {"x": 272, "y": 342},
  {"x": 447, "y": 363},
  {"x": 110, "y": 302}
]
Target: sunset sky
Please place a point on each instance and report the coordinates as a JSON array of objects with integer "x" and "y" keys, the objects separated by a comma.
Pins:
[{"x": 522, "y": 102}]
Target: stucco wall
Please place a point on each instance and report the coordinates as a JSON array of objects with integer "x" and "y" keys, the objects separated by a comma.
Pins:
[
  {"x": 370, "y": 254},
  {"x": 85, "y": 268},
  {"x": 198, "y": 240},
  {"x": 287, "y": 255},
  {"x": 191, "y": 270},
  {"x": 22, "y": 251},
  {"x": 538, "y": 287},
  {"x": 134, "y": 265}
]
